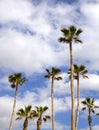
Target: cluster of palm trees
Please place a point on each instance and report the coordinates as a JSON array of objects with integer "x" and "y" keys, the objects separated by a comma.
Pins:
[
  {"x": 70, "y": 36},
  {"x": 28, "y": 113}
]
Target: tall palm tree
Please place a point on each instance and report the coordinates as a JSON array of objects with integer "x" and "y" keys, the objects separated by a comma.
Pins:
[
  {"x": 77, "y": 72},
  {"x": 71, "y": 35},
  {"x": 15, "y": 81},
  {"x": 53, "y": 74},
  {"x": 39, "y": 113},
  {"x": 25, "y": 113},
  {"x": 89, "y": 104}
]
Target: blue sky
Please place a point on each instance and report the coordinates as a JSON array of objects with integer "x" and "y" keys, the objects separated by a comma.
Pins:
[{"x": 29, "y": 32}]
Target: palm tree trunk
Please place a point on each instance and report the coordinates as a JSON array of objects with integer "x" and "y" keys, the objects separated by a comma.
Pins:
[
  {"x": 14, "y": 106},
  {"x": 25, "y": 125},
  {"x": 90, "y": 119},
  {"x": 39, "y": 122},
  {"x": 52, "y": 102},
  {"x": 72, "y": 90},
  {"x": 78, "y": 104}
]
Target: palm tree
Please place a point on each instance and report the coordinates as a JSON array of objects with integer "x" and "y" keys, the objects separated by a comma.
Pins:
[
  {"x": 39, "y": 113},
  {"x": 89, "y": 104},
  {"x": 25, "y": 113},
  {"x": 69, "y": 35},
  {"x": 15, "y": 81},
  {"x": 78, "y": 71},
  {"x": 53, "y": 75}
]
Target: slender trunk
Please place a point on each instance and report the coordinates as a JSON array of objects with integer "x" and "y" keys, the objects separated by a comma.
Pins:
[
  {"x": 52, "y": 102},
  {"x": 90, "y": 119},
  {"x": 14, "y": 106},
  {"x": 39, "y": 122},
  {"x": 25, "y": 125},
  {"x": 72, "y": 90},
  {"x": 78, "y": 104}
]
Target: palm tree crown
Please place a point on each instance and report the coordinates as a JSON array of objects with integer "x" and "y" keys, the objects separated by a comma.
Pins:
[
  {"x": 78, "y": 70},
  {"x": 54, "y": 72},
  {"x": 70, "y": 34},
  {"x": 16, "y": 79},
  {"x": 89, "y": 103},
  {"x": 25, "y": 113}
]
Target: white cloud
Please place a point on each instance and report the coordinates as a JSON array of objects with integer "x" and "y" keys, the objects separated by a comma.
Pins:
[
  {"x": 90, "y": 14},
  {"x": 11, "y": 10},
  {"x": 91, "y": 83},
  {"x": 21, "y": 52}
]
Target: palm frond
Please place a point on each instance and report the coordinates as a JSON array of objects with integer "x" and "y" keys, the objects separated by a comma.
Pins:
[
  {"x": 75, "y": 67},
  {"x": 84, "y": 108},
  {"x": 93, "y": 111},
  {"x": 46, "y": 118},
  {"x": 77, "y": 40},
  {"x": 84, "y": 102},
  {"x": 97, "y": 114},
  {"x": 18, "y": 75},
  {"x": 58, "y": 78},
  {"x": 72, "y": 30},
  {"x": 65, "y": 31},
  {"x": 93, "y": 100},
  {"x": 28, "y": 108},
  {"x": 64, "y": 40},
  {"x": 13, "y": 85},
  {"x": 55, "y": 71},
  {"x": 20, "y": 112},
  {"x": 47, "y": 76},
  {"x": 11, "y": 79},
  {"x": 88, "y": 100},
  {"x": 85, "y": 76},
  {"x": 34, "y": 113},
  {"x": 45, "y": 108},
  {"x": 96, "y": 106},
  {"x": 47, "y": 70},
  {"x": 18, "y": 118},
  {"x": 79, "y": 31}
]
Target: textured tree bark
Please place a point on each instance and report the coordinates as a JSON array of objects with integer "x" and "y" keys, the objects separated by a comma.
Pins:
[
  {"x": 78, "y": 104},
  {"x": 25, "y": 125},
  {"x": 39, "y": 122},
  {"x": 14, "y": 106},
  {"x": 52, "y": 102},
  {"x": 72, "y": 90},
  {"x": 90, "y": 119}
]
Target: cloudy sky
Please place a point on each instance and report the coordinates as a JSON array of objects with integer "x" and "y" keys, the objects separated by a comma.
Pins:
[{"x": 29, "y": 32}]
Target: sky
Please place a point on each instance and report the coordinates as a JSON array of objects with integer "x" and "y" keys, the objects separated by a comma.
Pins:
[{"x": 29, "y": 32}]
